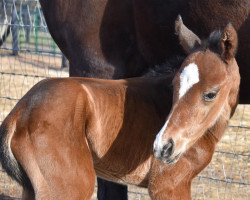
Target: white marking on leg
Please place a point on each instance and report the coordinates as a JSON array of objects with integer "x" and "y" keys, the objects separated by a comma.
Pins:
[{"x": 188, "y": 77}]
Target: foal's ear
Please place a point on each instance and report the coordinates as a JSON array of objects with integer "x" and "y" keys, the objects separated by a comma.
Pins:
[
  {"x": 228, "y": 43},
  {"x": 188, "y": 40}
]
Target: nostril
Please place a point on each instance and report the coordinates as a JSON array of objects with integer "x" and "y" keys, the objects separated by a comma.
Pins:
[{"x": 167, "y": 149}]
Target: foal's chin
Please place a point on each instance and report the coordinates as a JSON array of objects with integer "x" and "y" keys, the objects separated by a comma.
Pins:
[
  {"x": 171, "y": 161},
  {"x": 168, "y": 160}
]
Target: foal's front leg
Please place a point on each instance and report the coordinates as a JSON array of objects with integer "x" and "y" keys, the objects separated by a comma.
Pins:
[{"x": 171, "y": 182}]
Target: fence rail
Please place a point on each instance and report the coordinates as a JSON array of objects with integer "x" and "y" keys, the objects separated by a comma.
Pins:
[{"x": 28, "y": 55}]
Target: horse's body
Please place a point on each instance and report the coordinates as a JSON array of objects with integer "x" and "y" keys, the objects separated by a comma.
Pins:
[
  {"x": 134, "y": 109},
  {"x": 124, "y": 110},
  {"x": 111, "y": 39},
  {"x": 64, "y": 131}
]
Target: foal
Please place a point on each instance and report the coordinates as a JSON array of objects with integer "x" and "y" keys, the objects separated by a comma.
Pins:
[{"x": 65, "y": 131}]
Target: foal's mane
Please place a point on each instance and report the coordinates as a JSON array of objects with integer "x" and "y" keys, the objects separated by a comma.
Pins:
[
  {"x": 169, "y": 67},
  {"x": 213, "y": 42}
]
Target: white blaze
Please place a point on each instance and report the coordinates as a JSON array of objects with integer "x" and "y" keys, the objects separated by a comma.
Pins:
[
  {"x": 158, "y": 143},
  {"x": 188, "y": 77},
  {"x": 158, "y": 140}
]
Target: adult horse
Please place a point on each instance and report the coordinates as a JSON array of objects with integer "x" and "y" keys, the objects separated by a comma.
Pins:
[
  {"x": 114, "y": 39},
  {"x": 63, "y": 129}
]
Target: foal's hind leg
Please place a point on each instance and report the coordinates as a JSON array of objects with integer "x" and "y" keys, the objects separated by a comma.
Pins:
[{"x": 58, "y": 167}]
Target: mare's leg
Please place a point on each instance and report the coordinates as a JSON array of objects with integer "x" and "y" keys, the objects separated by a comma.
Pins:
[
  {"x": 109, "y": 191},
  {"x": 27, "y": 194},
  {"x": 173, "y": 182}
]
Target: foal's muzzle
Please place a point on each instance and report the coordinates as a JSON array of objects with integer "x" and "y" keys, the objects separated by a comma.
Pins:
[
  {"x": 167, "y": 149},
  {"x": 165, "y": 153}
]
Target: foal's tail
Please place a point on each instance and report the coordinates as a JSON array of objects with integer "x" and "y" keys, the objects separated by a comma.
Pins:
[{"x": 7, "y": 159}]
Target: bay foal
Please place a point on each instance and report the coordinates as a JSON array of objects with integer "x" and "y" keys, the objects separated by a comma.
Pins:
[
  {"x": 140, "y": 36},
  {"x": 65, "y": 131}
]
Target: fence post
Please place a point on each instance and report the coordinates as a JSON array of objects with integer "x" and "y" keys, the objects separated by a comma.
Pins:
[
  {"x": 15, "y": 32},
  {"x": 36, "y": 28},
  {"x": 26, "y": 22}
]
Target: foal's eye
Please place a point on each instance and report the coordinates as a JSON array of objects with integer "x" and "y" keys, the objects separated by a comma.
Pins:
[{"x": 209, "y": 96}]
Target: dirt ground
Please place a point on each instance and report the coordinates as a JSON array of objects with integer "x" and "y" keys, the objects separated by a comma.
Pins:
[{"x": 227, "y": 176}]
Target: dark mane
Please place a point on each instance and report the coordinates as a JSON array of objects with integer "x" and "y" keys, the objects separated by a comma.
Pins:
[
  {"x": 168, "y": 67},
  {"x": 174, "y": 63},
  {"x": 213, "y": 42}
]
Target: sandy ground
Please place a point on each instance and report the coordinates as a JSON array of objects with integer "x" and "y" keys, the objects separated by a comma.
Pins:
[{"x": 227, "y": 176}]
